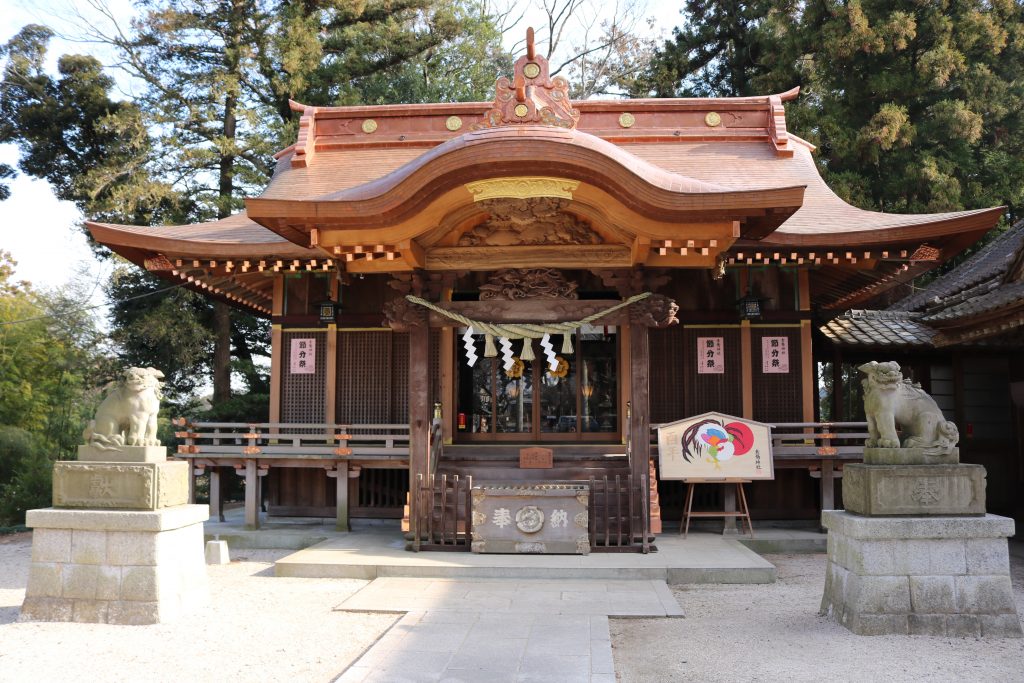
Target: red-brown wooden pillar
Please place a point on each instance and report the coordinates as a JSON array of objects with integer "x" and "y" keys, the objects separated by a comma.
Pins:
[
  {"x": 639, "y": 381},
  {"x": 419, "y": 411}
]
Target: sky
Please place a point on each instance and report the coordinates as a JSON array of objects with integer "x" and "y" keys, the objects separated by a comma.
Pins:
[{"x": 44, "y": 234}]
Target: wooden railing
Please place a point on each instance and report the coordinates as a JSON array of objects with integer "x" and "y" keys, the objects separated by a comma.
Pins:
[
  {"x": 619, "y": 515},
  {"x": 444, "y": 509},
  {"x": 270, "y": 440},
  {"x": 817, "y": 440}
]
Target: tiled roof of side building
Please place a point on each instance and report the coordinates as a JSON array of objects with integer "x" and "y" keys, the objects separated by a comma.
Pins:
[
  {"x": 879, "y": 329},
  {"x": 990, "y": 262},
  {"x": 1000, "y": 296}
]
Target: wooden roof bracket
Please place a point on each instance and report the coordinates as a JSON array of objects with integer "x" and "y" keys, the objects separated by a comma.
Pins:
[
  {"x": 305, "y": 143},
  {"x": 777, "y": 122}
]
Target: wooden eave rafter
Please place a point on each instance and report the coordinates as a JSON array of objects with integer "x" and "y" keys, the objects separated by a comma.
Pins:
[
  {"x": 975, "y": 224},
  {"x": 250, "y": 291}
]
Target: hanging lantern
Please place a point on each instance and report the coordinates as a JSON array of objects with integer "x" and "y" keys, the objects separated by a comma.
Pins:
[
  {"x": 328, "y": 311},
  {"x": 749, "y": 306}
]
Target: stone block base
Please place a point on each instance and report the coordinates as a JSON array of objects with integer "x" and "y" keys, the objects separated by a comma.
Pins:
[
  {"x": 910, "y": 456},
  {"x": 879, "y": 490},
  {"x": 90, "y": 453},
  {"x": 938, "y": 576},
  {"x": 116, "y": 567},
  {"x": 120, "y": 485}
]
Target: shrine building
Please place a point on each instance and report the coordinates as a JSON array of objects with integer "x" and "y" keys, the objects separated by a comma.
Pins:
[{"x": 392, "y": 238}]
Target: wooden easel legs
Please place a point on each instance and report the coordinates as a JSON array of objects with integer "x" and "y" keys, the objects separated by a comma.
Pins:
[{"x": 688, "y": 513}]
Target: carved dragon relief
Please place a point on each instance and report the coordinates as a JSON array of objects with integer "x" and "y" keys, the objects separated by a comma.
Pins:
[
  {"x": 529, "y": 222},
  {"x": 528, "y": 283}
]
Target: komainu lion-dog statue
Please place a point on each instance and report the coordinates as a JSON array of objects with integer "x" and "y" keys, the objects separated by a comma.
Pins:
[
  {"x": 891, "y": 401},
  {"x": 127, "y": 416}
]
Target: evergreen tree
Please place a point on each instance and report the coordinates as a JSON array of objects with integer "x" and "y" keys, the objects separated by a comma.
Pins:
[
  {"x": 918, "y": 104},
  {"x": 214, "y": 105},
  {"x": 723, "y": 49}
]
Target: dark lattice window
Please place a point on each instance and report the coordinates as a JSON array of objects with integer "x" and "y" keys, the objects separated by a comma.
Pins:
[
  {"x": 777, "y": 396},
  {"x": 302, "y": 395}
]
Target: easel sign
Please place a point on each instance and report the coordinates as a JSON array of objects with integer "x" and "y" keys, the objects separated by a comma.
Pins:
[{"x": 715, "y": 446}]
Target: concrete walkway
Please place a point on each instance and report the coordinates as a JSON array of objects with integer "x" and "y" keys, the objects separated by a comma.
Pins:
[{"x": 494, "y": 631}]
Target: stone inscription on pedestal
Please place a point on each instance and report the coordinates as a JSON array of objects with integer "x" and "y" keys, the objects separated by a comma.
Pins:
[
  {"x": 914, "y": 490},
  {"x": 109, "y": 485}
]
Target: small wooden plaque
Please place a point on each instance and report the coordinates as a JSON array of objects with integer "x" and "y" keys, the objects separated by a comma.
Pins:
[{"x": 536, "y": 458}]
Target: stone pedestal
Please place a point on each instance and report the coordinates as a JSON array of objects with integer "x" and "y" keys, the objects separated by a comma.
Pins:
[
  {"x": 115, "y": 566},
  {"x": 939, "y": 576},
  {"x": 914, "y": 489}
]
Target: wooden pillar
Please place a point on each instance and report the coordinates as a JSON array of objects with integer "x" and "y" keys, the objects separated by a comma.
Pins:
[
  {"x": 640, "y": 421},
  {"x": 806, "y": 352},
  {"x": 828, "y": 485},
  {"x": 192, "y": 472},
  {"x": 276, "y": 352},
  {"x": 331, "y": 383},
  {"x": 419, "y": 407},
  {"x": 340, "y": 476},
  {"x": 746, "y": 371},
  {"x": 447, "y": 398},
  {"x": 216, "y": 496},
  {"x": 729, "y": 505},
  {"x": 252, "y": 495}
]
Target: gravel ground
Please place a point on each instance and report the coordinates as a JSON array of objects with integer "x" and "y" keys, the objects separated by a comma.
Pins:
[
  {"x": 256, "y": 628},
  {"x": 262, "y": 628},
  {"x": 773, "y": 633}
]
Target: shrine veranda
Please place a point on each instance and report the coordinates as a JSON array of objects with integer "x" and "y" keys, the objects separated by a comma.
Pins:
[{"x": 707, "y": 214}]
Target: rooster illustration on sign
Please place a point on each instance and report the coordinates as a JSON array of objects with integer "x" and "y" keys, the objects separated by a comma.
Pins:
[{"x": 718, "y": 440}]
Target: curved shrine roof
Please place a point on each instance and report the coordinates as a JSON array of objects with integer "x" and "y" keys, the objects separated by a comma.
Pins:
[{"x": 661, "y": 182}]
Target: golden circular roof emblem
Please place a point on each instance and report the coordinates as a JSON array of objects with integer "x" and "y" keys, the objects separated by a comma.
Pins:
[
  {"x": 712, "y": 118},
  {"x": 453, "y": 123},
  {"x": 521, "y": 110},
  {"x": 369, "y": 125},
  {"x": 531, "y": 70},
  {"x": 626, "y": 120}
]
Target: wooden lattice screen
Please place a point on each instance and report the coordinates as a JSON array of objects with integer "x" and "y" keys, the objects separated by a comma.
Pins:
[
  {"x": 302, "y": 395},
  {"x": 720, "y": 392},
  {"x": 777, "y": 396},
  {"x": 373, "y": 376},
  {"x": 666, "y": 374}
]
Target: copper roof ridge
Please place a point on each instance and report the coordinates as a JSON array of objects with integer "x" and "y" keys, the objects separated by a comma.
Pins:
[{"x": 624, "y": 103}]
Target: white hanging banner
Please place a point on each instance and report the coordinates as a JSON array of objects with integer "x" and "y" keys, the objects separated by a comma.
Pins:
[
  {"x": 775, "y": 355},
  {"x": 508, "y": 357},
  {"x": 303, "y": 356},
  {"x": 710, "y": 357},
  {"x": 470, "y": 345},
  {"x": 549, "y": 351}
]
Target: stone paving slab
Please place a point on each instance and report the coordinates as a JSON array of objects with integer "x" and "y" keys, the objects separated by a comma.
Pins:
[
  {"x": 508, "y": 630},
  {"x": 472, "y": 647},
  {"x": 622, "y": 598},
  {"x": 701, "y": 558}
]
